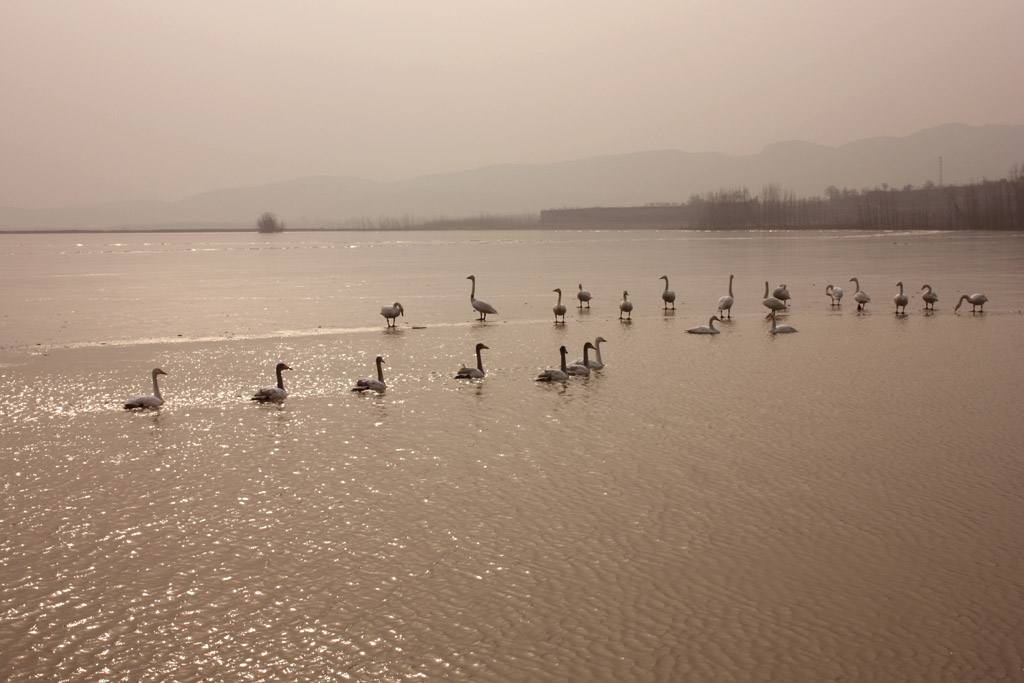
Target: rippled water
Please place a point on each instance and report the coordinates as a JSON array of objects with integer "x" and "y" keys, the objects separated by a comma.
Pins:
[{"x": 839, "y": 504}]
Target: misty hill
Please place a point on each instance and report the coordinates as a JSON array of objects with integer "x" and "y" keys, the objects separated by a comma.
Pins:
[{"x": 970, "y": 153}]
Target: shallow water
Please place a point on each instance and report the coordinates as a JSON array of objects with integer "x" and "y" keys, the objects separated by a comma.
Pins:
[{"x": 838, "y": 504}]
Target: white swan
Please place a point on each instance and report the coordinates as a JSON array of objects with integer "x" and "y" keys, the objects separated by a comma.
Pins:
[
  {"x": 473, "y": 373},
  {"x": 554, "y": 374},
  {"x": 626, "y": 306},
  {"x": 668, "y": 296},
  {"x": 559, "y": 308},
  {"x": 929, "y": 297},
  {"x": 374, "y": 384},
  {"x": 901, "y": 299},
  {"x": 725, "y": 303},
  {"x": 974, "y": 300},
  {"x": 273, "y": 393},
  {"x": 780, "y": 329},
  {"x": 593, "y": 363},
  {"x": 482, "y": 307},
  {"x": 392, "y": 312},
  {"x": 584, "y": 367},
  {"x": 584, "y": 296},
  {"x": 836, "y": 293},
  {"x": 860, "y": 296},
  {"x": 142, "y": 401},
  {"x": 771, "y": 303},
  {"x": 706, "y": 329},
  {"x": 781, "y": 293}
]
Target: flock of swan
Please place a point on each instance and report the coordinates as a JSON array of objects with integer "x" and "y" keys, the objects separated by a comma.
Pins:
[{"x": 774, "y": 300}]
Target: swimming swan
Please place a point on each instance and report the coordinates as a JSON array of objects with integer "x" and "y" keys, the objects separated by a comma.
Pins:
[
  {"x": 836, "y": 293},
  {"x": 554, "y": 374},
  {"x": 392, "y": 312},
  {"x": 974, "y": 300},
  {"x": 901, "y": 299},
  {"x": 860, "y": 296},
  {"x": 273, "y": 393},
  {"x": 929, "y": 297},
  {"x": 374, "y": 384},
  {"x": 725, "y": 303},
  {"x": 584, "y": 367},
  {"x": 771, "y": 303},
  {"x": 668, "y": 296},
  {"x": 559, "y": 308},
  {"x": 142, "y": 401},
  {"x": 626, "y": 306},
  {"x": 473, "y": 373},
  {"x": 584, "y": 296},
  {"x": 706, "y": 329},
  {"x": 780, "y": 329},
  {"x": 593, "y": 363},
  {"x": 482, "y": 307}
]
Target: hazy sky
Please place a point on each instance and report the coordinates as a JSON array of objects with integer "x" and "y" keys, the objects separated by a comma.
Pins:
[{"x": 110, "y": 100}]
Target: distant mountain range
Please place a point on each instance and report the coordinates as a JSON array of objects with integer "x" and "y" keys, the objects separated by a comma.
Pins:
[{"x": 969, "y": 153}]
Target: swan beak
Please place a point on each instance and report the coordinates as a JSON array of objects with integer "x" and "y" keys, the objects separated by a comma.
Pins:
[{"x": 160, "y": 372}]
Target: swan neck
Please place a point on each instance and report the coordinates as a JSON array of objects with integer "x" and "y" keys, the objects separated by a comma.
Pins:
[
  {"x": 472, "y": 292},
  {"x": 280, "y": 379},
  {"x": 156, "y": 386},
  {"x": 597, "y": 352},
  {"x": 730, "y": 285},
  {"x": 562, "y": 351},
  {"x": 479, "y": 361},
  {"x": 765, "y": 290},
  {"x": 666, "y": 284},
  {"x": 380, "y": 372}
]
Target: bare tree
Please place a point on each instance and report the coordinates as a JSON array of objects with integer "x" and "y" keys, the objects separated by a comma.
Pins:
[{"x": 268, "y": 222}]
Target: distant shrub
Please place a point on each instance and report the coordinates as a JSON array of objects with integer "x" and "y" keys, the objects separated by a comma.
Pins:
[{"x": 268, "y": 222}]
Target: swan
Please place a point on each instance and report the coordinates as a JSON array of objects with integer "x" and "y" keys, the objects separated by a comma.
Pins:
[
  {"x": 273, "y": 393},
  {"x": 860, "y": 296},
  {"x": 770, "y": 302},
  {"x": 559, "y": 308},
  {"x": 706, "y": 329},
  {"x": 668, "y": 296},
  {"x": 392, "y": 312},
  {"x": 375, "y": 384},
  {"x": 473, "y": 373},
  {"x": 929, "y": 297},
  {"x": 974, "y": 300},
  {"x": 554, "y": 374},
  {"x": 584, "y": 367},
  {"x": 725, "y": 303},
  {"x": 482, "y": 307},
  {"x": 779, "y": 329},
  {"x": 584, "y": 296},
  {"x": 836, "y": 293},
  {"x": 142, "y": 401},
  {"x": 901, "y": 299},
  {"x": 593, "y": 363},
  {"x": 781, "y": 293},
  {"x": 626, "y": 306}
]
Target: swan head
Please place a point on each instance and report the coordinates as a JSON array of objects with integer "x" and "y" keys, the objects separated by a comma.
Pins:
[
  {"x": 625, "y": 294},
  {"x": 853, "y": 279},
  {"x": 557, "y": 289},
  {"x": 281, "y": 366},
  {"x": 482, "y": 346},
  {"x": 581, "y": 285},
  {"x": 588, "y": 345},
  {"x": 664, "y": 277},
  {"x": 600, "y": 340},
  {"x": 401, "y": 311},
  {"x": 561, "y": 350},
  {"x": 158, "y": 371},
  {"x": 380, "y": 359}
]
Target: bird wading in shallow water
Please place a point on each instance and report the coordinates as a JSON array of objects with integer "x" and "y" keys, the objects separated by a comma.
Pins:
[
  {"x": 481, "y": 307},
  {"x": 860, "y": 296},
  {"x": 974, "y": 300},
  {"x": 725, "y": 303},
  {"x": 668, "y": 296},
  {"x": 392, "y": 312}
]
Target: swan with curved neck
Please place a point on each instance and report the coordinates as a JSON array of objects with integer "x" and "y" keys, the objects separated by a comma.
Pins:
[
  {"x": 481, "y": 307},
  {"x": 836, "y": 293},
  {"x": 975, "y": 300},
  {"x": 860, "y": 296},
  {"x": 626, "y": 306},
  {"x": 593, "y": 363},
  {"x": 584, "y": 367},
  {"x": 781, "y": 293},
  {"x": 706, "y": 329},
  {"x": 668, "y": 296},
  {"x": 473, "y": 373},
  {"x": 779, "y": 329},
  {"x": 584, "y": 296},
  {"x": 559, "y": 308},
  {"x": 377, "y": 385},
  {"x": 929, "y": 297},
  {"x": 901, "y": 299},
  {"x": 392, "y": 312},
  {"x": 725, "y": 303},
  {"x": 771, "y": 303},
  {"x": 555, "y": 374},
  {"x": 277, "y": 393},
  {"x": 143, "y": 401}
]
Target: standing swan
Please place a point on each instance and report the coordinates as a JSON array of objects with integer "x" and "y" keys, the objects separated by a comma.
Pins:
[
  {"x": 473, "y": 373},
  {"x": 375, "y": 384},
  {"x": 482, "y": 307},
  {"x": 273, "y": 393},
  {"x": 901, "y": 299},
  {"x": 392, "y": 312},
  {"x": 771, "y": 303},
  {"x": 780, "y": 329},
  {"x": 836, "y": 293},
  {"x": 860, "y": 296},
  {"x": 782, "y": 294},
  {"x": 584, "y": 367},
  {"x": 706, "y": 329},
  {"x": 142, "y": 401},
  {"x": 725, "y": 303},
  {"x": 668, "y": 296},
  {"x": 554, "y": 374},
  {"x": 929, "y": 297},
  {"x": 584, "y": 296},
  {"x": 593, "y": 363},
  {"x": 974, "y": 300},
  {"x": 559, "y": 308},
  {"x": 626, "y": 306}
]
